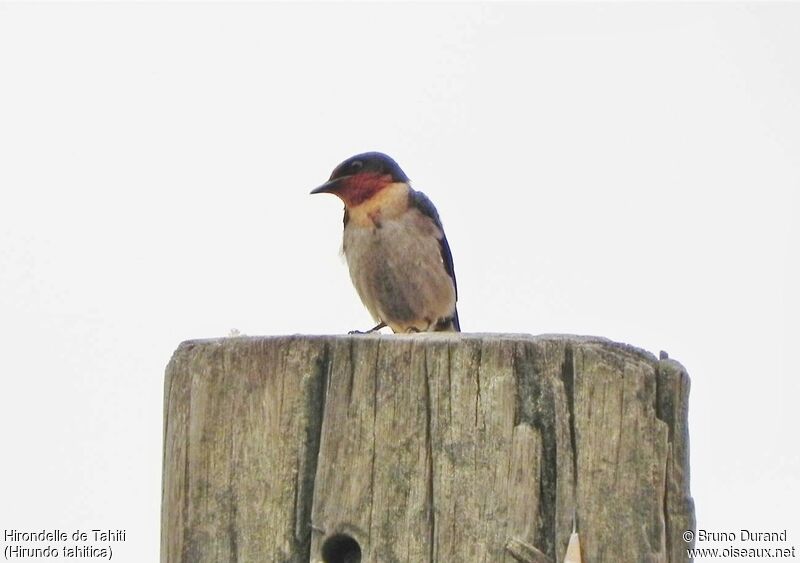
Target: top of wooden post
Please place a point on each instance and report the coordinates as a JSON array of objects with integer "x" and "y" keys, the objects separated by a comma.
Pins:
[{"x": 425, "y": 447}]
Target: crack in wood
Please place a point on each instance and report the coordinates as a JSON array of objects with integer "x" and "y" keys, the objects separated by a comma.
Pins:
[{"x": 423, "y": 469}]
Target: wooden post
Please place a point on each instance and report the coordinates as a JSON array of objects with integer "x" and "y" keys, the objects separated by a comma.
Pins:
[{"x": 431, "y": 447}]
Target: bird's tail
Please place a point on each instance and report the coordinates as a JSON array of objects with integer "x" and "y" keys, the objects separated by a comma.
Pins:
[{"x": 450, "y": 324}]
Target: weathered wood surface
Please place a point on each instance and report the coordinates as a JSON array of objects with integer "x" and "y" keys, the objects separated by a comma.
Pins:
[{"x": 441, "y": 447}]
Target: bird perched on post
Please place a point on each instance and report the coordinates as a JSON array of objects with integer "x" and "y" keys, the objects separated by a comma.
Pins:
[{"x": 394, "y": 243}]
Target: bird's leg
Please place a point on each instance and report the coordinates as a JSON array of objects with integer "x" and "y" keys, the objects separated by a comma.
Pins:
[{"x": 373, "y": 329}]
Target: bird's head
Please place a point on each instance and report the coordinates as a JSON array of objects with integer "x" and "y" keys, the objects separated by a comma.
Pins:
[{"x": 362, "y": 176}]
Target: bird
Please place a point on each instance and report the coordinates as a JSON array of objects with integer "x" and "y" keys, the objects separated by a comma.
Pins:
[{"x": 395, "y": 247}]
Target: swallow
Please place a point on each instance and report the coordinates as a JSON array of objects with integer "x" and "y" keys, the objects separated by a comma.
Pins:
[{"x": 395, "y": 247}]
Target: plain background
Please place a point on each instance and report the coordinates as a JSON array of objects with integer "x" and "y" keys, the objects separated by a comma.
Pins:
[{"x": 623, "y": 170}]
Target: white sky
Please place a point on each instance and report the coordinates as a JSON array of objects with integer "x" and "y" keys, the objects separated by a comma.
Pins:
[{"x": 623, "y": 170}]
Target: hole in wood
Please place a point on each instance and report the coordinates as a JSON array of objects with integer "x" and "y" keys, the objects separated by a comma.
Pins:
[{"x": 341, "y": 548}]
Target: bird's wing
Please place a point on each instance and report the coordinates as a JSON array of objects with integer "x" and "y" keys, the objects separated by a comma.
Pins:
[{"x": 421, "y": 202}]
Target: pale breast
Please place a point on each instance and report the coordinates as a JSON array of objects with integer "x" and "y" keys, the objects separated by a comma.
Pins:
[{"x": 396, "y": 267}]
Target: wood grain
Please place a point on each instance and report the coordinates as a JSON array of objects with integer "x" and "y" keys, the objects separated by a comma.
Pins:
[{"x": 431, "y": 447}]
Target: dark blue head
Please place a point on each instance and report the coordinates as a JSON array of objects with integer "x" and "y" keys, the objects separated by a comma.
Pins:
[
  {"x": 362, "y": 176},
  {"x": 375, "y": 163}
]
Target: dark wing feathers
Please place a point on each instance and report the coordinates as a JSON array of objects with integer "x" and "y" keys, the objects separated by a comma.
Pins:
[{"x": 421, "y": 202}]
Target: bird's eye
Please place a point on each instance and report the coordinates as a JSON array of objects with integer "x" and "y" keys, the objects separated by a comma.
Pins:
[{"x": 356, "y": 165}]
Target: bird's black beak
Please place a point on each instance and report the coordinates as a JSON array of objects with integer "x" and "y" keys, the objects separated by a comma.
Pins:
[{"x": 330, "y": 187}]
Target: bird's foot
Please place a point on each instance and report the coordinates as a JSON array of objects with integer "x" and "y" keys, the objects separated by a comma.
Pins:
[{"x": 373, "y": 329}]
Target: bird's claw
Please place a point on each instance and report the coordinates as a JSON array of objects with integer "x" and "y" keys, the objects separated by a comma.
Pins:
[{"x": 376, "y": 328}]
